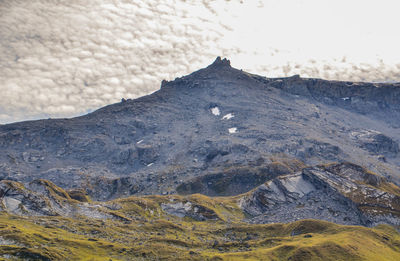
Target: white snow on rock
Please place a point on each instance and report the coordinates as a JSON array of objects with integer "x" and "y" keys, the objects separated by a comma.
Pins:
[
  {"x": 232, "y": 130},
  {"x": 215, "y": 111},
  {"x": 228, "y": 116},
  {"x": 148, "y": 165},
  {"x": 140, "y": 141}
]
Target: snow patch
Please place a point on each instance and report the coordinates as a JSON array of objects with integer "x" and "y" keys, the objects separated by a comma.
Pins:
[
  {"x": 346, "y": 98},
  {"x": 148, "y": 165},
  {"x": 232, "y": 130},
  {"x": 140, "y": 141},
  {"x": 228, "y": 116},
  {"x": 215, "y": 111}
]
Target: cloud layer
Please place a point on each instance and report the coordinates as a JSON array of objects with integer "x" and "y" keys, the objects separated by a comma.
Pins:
[{"x": 64, "y": 58}]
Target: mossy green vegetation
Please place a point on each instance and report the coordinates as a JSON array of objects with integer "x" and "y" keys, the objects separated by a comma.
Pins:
[
  {"x": 79, "y": 195},
  {"x": 141, "y": 230}
]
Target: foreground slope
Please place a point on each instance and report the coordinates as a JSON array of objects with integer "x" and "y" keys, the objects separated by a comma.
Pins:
[
  {"x": 212, "y": 124},
  {"x": 182, "y": 228},
  {"x": 40, "y": 221}
]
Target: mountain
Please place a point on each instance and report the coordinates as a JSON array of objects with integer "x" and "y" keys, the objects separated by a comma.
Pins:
[
  {"x": 207, "y": 168},
  {"x": 214, "y": 121}
]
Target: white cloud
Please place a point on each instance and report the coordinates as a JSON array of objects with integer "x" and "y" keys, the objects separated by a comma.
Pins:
[{"x": 64, "y": 58}]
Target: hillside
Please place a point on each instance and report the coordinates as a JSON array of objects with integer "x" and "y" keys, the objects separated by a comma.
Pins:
[
  {"x": 194, "y": 227},
  {"x": 220, "y": 164}
]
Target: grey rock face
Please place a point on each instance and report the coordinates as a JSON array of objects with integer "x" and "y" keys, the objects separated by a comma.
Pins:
[
  {"x": 199, "y": 125},
  {"x": 377, "y": 143},
  {"x": 234, "y": 181},
  {"x": 341, "y": 193},
  {"x": 42, "y": 198},
  {"x": 15, "y": 198}
]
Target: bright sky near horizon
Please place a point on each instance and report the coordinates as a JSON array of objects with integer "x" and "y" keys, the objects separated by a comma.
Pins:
[{"x": 62, "y": 58}]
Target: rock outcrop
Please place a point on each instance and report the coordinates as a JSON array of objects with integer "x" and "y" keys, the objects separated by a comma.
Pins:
[
  {"x": 43, "y": 198},
  {"x": 341, "y": 193}
]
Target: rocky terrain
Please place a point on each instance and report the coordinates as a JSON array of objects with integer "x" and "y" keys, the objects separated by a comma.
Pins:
[
  {"x": 341, "y": 193},
  {"x": 216, "y": 155},
  {"x": 41, "y": 221},
  {"x": 216, "y": 118}
]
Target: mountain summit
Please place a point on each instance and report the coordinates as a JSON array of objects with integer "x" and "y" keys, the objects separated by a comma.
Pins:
[{"x": 220, "y": 63}]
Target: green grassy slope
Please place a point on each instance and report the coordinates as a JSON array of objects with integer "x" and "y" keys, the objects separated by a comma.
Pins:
[{"x": 141, "y": 230}]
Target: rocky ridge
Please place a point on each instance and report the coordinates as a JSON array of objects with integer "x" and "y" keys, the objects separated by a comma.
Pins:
[{"x": 341, "y": 193}]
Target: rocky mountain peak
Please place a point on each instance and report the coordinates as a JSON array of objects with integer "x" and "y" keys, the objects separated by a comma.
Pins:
[
  {"x": 220, "y": 63},
  {"x": 220, "y": 69}
]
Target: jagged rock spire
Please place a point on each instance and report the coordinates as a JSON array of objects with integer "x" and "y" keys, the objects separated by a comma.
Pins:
[{"x": 221, "y": 62}]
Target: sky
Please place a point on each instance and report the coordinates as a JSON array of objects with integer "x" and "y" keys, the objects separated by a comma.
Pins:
[{"x": 63, "y": 58}]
